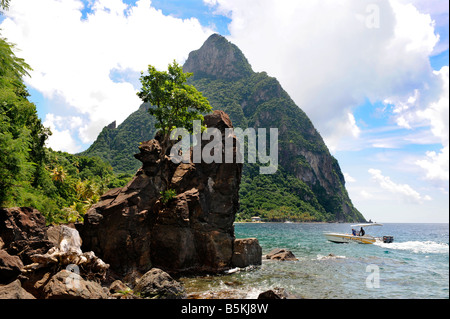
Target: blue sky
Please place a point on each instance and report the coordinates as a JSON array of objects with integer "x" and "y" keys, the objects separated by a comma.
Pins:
[{"x": 373, "y": 77}]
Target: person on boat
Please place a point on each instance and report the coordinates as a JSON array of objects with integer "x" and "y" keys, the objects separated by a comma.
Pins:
[
  {"x": 361, "y": 232},
  {"x": 353, "y": 232}
]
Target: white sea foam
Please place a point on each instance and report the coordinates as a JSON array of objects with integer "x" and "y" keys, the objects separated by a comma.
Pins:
[
  {"x": 330, "y": 256},
  {"x": 253, "y": 293},
  {"x": 417, "y": 246}
]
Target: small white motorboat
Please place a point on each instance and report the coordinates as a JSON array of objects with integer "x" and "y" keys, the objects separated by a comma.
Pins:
[{"x": 358, "y": 236}]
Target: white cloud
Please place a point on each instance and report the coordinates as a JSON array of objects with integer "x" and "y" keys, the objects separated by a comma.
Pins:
[
  {"x": 349, "y": 178},
  {"x": 330, "y": 56},
  {"x": 404, "y": 190},
  {"x": 73, "y": 57},
  {"x": 426, "y": 107},
  {"x": 437, "y": 111},
  {"x": 436, "y": 165},
  {"x": 366, "y": 195},
  {"x": 439, "y": 10},
  {"x": 61, "y": 138},
  {"x": 429, "y": 107}
]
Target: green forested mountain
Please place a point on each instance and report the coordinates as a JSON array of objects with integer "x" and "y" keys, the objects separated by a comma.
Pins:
[
  {"x": 117, "y": 145},
  {"x": 308, "y": 186}
]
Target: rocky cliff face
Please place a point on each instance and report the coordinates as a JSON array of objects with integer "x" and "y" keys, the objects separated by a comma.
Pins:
[
  {"x": 218, "y": 59},
  {"x": 135, "y": 229}
]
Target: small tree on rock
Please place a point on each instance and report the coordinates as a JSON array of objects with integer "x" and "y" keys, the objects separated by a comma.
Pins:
[{"x": 175, "y": 103}]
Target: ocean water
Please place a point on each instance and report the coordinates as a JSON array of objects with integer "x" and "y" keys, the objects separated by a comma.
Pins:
[{"x": 416, "y": 265}]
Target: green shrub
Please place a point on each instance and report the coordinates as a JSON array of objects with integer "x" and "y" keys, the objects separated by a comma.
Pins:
[{"x": 168, "y": 195}]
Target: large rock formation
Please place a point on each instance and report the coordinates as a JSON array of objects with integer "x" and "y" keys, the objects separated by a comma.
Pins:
[
  {"x": 134, "y": 228},
  {"x": 246, "y": 252}
]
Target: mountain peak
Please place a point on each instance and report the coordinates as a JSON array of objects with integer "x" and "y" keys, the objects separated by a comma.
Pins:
[{"x": 218, "y": 59}]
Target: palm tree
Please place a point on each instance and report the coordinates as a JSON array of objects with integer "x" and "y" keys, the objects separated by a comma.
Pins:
[
  {"x": 58, "y": 174},
  {"x": 10, "y": 65},
  {"x": 4, "y": 4}
]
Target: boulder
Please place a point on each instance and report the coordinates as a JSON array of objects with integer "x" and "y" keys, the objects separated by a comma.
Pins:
[
  {"x": 118, "y": 286},
  {"x": 14, "y": 290},
  {"x": 159, "y": 284},
  {"x": 119, "y": 290},
  {"x": 67, "y": 253},
  {"x": 23, "y": 232},
  {"x": 69, "y": 285},
  {"x": 134, "y": 228},
  {"x": 34, "y": 282},
  {"x": 10, "y": 267},
  {"x": 276, "y": 293},
  {"x": 281, "y": 254},
  {"x": 246, "y": 252}
]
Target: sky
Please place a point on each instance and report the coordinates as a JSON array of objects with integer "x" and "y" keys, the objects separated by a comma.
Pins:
[{"x": 372, "y": 75}]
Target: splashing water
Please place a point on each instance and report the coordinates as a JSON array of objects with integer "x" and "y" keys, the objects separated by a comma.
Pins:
[{"x": 430, "y": 247}]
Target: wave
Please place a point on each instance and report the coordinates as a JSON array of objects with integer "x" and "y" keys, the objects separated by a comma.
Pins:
[{"x": 417, "y": 246}]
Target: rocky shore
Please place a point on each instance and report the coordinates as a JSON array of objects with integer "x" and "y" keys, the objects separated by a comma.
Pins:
[{"x": 134, "y": 241}]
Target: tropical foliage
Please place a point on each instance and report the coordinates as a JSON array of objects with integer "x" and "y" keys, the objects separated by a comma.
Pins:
[
  {"x": 176, "y": 104},
  {"x": 4, "y": 4}
]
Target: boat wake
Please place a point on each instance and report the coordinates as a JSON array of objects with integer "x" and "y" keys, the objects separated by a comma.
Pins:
[{"x": 417, "y": 246}]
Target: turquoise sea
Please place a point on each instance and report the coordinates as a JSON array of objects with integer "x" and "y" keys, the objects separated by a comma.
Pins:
[{"x": 416, "y": 265}]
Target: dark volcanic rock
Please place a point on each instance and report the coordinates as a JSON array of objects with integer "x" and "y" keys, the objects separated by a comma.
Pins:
[
  {"x": 277, "y": 293},
  {"x": 132, "y": 228},
  {"x": 158, "y": 284},
  {"x": 69, "y": 285},
  {"x": 10, "y": 267},
  {"x": 23, "y": 232},
  {"x": 246, "y": 252},
  {"x": 32, "y": 256},
  {"x": 14, "y": 290},
  {"x": 281, "y": 254}
]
